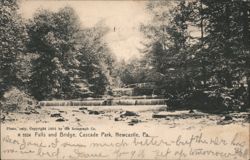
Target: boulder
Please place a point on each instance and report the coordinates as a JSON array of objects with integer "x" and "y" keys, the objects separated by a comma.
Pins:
[
  {"x": 55, "y": 115},
  {"x": 128, "y": 113},
  {"x": 191, "y": 111},
  {"x": 159, "y": 116},
  {"x": 2, "y": 117},
  {"x": 95, "y": 112},
  {"x": 60, "y": 119},
  {"x": 83, "y": 108},
  {"x": 133, "y": 122},
  {"x": 227, "y": 118},
  {"x": 118, "y": 119},
  {"x": 27, "y": 112}
]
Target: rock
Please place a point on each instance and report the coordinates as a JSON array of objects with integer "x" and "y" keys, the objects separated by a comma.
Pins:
[
  {"x": 84, "y": 112},
  {"x": 55, "y": 115},
  {"x": 27, "y": 112},
  {"x": 118, "y": 119},
  {"x": 191, "y": 111},
  {"x": 131, "y": 124},
  {"x": 28, "y": 108},
  {"x": 135, "y": 121},
  {"x": 10, "y": 119},
  {"x": 2, "y": 117},
  {"x": 159, "y": 116},
  {"x": 247, "y": 119},
  {"x": 101, "y": 112},
  {"x": 38, "y": 107},
  {"x": 12, "y": 107},
  {"x": 34, "y": 111},
  {"x": 60, "y": 120},
  {"x": 30, "y": 102},
  {"x": 227, "y": 118},
  {"x": 94, "y": 112},
  {"x": 163, "y": 108},
  {"x": 128, "y": 113},
  {"x": 83, "y": 108},
  {"x": 167, "y": 118},
  {"x": 224, "y": 122}
]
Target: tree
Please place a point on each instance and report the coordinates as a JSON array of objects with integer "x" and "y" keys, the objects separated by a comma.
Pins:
[
  {"x": 72, "y": 61},
  {"x": 169, "y": 51},
  {"x": 96, "y": 59},
  {"x": 50, "y": 38},
  {"x": 13, "y": 37},
  {"x": 214, "y": 59}
]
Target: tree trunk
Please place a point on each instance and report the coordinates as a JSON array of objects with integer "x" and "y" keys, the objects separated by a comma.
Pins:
[
  {"x": 246, "y": 40},
  {"x": 204, "y": 69},
  {"x": 246, "y": 24},
  {"x": 248, "y": 93}
]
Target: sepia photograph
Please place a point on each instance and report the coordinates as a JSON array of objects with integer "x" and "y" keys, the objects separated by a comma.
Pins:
[{"x": 125, "y": 79}]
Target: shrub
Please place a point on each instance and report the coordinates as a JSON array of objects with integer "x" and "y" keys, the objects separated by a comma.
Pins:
[
  {"x": 15, "y": 100},
  {"x": 216, "y": 99}
]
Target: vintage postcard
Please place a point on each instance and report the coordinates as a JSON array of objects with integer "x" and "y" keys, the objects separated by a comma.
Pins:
[{"x": 125, "y": 80}]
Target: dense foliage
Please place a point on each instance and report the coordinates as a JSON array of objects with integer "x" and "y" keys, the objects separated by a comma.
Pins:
[
  {"x": 202, "y": 49},
  {"x": 13, "y": 39},
  {"x": 72, "y": 61},
  {"x": 52, "y": 56}
]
